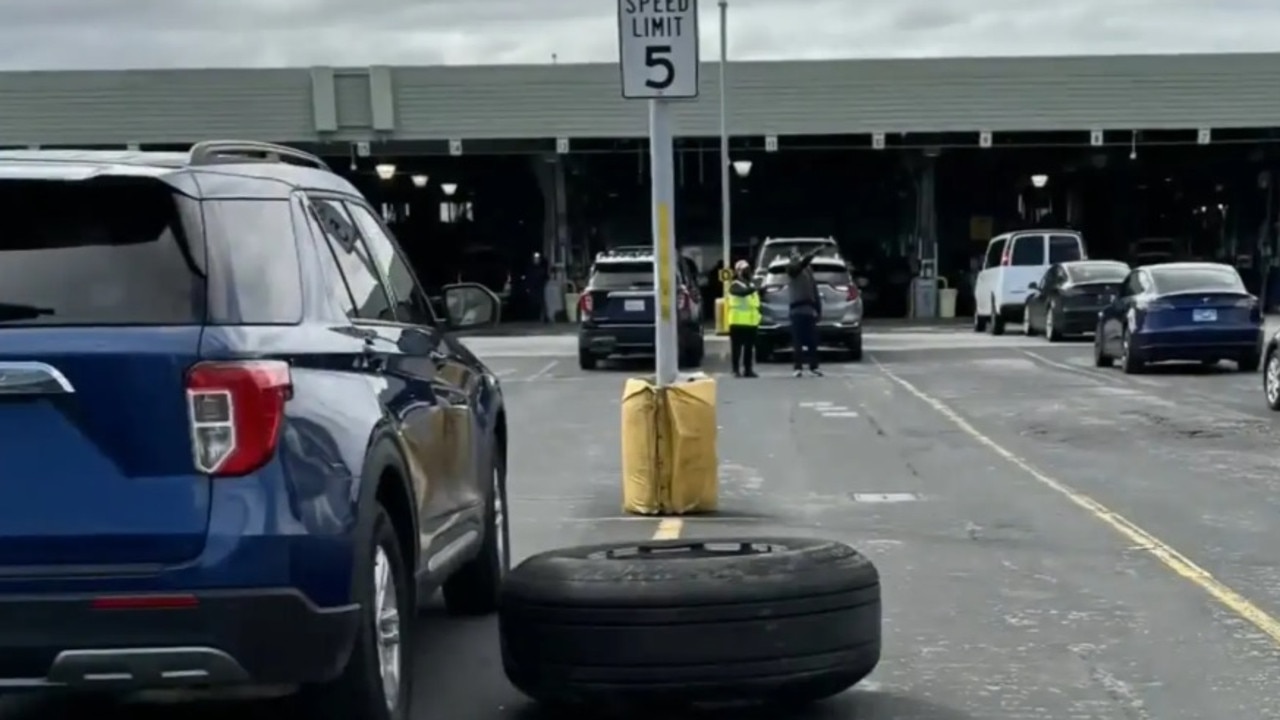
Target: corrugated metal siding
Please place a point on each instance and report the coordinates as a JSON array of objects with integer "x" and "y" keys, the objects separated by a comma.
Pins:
[
  {"x": 64, "y": 108},
  {"x": 857, "y": 96},
  {"x": 544, "y": 101}
]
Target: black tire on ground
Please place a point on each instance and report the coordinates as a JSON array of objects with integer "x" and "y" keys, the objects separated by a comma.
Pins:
[
  {"x": 997, "y": 319},
  {"x": 1269, "y": 394},
  {"x": 1130, "y": 362},
  {"x": 1249, "y": 362},
  {"x": 673, "y": 623},
  {"x": 691, "y": 356},
  {"x": 1100, "y": 358},
  {"x": 475, "y": 588},
  {"x": 854, "y": 346},
  {"x": 586, "y": 360},
  {"x": 358, "y": 691},
  {"x": 1053, "y": 332}
]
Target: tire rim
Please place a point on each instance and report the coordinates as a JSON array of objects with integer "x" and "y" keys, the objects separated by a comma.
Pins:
[
  {"x": 1273, "y": 380},
  {"x": 499, "y": 519},
  {"x": 386, "y": 601}
]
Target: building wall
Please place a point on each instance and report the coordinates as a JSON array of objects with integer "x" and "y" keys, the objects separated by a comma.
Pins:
[{"x": 583, "y": 101}]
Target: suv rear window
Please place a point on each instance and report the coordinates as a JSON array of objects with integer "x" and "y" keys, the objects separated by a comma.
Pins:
[
  {"x": 774, "y": 252},
  {"x": 623, "y": 275},
  {"x": 110, "y": 251},
  {"x": 1065, "y": 248}
]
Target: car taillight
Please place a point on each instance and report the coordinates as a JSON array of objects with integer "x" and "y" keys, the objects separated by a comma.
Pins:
[
  {"x": 236, "y": 410},
  {"x": 852, "y": 293},
  {"x": 685, "y": 300},
  {"x": 585, "y": 306}
]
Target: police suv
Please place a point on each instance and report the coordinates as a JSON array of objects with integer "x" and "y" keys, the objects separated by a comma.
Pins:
[{"x": 617, "y": 311}]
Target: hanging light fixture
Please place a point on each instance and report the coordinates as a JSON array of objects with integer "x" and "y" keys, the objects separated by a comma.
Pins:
[
  {"x": 385, "y": 171},
  {"x": 420, "y": 181},
  {"x": 449, "y": 188},
  {"x": 1039, "y": 180},
  {"x": 742, "y": 167}
]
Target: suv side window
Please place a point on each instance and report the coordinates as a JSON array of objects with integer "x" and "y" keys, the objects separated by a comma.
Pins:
[
  {"x": 251, "y": 244},
  {"x": 993, "y": 253},
  {"x": 410, "y": 301},
  {"x": 371, "y": 299},
  {"x": 334, "y": 282}
]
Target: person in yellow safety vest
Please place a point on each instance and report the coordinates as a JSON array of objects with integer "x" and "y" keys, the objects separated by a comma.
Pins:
[{"x": 743, "y": 320}]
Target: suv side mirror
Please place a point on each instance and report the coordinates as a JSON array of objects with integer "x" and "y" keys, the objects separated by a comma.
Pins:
[
  {"x": 470, "y": 305},
  {"x": 1034, "y": 286}
]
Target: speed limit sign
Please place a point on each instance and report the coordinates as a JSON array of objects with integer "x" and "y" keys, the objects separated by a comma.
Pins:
[{"x": 658, "y": 44}]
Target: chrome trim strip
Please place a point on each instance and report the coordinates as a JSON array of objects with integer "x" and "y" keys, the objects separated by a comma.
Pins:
[{"x": 33, "y": 378}]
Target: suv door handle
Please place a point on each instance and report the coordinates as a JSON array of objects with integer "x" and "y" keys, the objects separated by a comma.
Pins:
[{"x": 438, "y": 356}]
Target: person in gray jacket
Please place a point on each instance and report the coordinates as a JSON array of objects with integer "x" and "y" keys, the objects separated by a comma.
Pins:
[{"x": 806, "y": 308}]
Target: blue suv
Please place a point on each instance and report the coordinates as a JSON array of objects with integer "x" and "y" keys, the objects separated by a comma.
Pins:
[{"x": 239, "y": 441}]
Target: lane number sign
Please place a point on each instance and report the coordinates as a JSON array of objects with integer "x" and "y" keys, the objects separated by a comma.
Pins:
[{"x": 658, "y": 48}]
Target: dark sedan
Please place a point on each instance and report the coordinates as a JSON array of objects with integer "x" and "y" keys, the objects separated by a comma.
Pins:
[
  {"x": 1066, "y": 301},
  {"x": 1181, "y": 311}
]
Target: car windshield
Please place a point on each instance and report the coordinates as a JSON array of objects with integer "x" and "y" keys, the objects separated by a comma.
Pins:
[
  {"x": 1194, "y": 279},
  {"x": 1097, "y": 273}
]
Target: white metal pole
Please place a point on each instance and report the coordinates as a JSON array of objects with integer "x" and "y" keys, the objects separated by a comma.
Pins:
[
  {"x": 664, "y": 240},
  {"x": 726, "y": 197}
]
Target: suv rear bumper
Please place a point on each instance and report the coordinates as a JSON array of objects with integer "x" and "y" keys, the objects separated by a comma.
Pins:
[
  {"x": 605, "y": 340},
  {"x": 829, "y": 334},
  {"x": 257, "y": 637}
]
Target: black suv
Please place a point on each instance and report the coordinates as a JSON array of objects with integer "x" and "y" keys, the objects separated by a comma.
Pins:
[{"x": 616, "y": 313}]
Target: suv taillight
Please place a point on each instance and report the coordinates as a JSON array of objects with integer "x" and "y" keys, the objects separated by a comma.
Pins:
[
  {"x": 853, "y": 293},
  {"x": 585, "y": 305},
  {"x": 236, "y": 410}
]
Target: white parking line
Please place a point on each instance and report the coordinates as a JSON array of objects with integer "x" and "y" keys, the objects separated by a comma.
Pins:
[{"x": 544, "y": 371}]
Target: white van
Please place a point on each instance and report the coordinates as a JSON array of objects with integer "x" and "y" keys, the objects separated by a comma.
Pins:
[{"x": 1013, "y": 261}]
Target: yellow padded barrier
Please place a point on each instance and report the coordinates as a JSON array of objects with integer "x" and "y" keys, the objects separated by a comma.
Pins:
[{"x": 669, "y": 463}]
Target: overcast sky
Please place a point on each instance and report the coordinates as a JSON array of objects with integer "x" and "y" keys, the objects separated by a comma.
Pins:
[{"x": 59, "y": 34}]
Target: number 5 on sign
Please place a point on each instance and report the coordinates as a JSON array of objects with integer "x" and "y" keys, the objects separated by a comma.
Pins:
[{"x": 658, "y": 48}]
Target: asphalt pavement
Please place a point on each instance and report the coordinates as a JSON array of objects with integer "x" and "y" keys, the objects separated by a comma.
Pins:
[{"x": 1056, "y": 541}]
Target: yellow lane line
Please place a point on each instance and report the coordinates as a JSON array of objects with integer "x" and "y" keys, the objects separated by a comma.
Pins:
[
  {"x": 1162, "y": 551},
  {"x": 668, "y": 529}
]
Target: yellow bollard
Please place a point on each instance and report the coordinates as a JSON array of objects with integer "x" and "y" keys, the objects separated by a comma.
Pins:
[
  {"x": 669, "y": 462},
  {"x": 722, "y": 317},
  {"x": 722, "y": 304}
]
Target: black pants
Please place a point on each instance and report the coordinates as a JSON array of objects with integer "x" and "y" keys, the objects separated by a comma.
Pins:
[
  {"x": 804, "y": 340},
  {"x": 742, "y": 347}
]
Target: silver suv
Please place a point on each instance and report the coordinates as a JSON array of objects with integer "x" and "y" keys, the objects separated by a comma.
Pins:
[{"x": 841, "y": 322}]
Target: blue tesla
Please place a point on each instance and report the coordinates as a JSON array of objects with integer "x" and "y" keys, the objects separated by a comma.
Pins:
[{"x": 1180, "y": 311}]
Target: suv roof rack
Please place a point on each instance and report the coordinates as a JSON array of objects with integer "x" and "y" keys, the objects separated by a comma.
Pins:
[
  {"x": 217, "y": 152},
  {"x": 625, "y": 252}
]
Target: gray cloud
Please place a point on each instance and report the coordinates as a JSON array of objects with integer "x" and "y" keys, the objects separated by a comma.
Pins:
[{"x": 52, "y": 34}]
